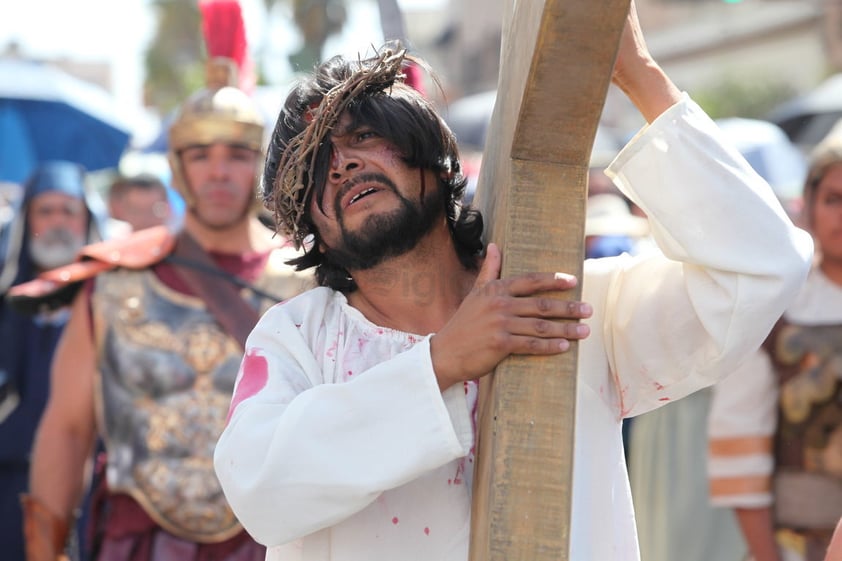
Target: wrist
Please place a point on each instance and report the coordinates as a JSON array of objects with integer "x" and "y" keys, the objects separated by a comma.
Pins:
[
  {"x": 45, "y": 532},
  {"x": 649, "y": 89},
  {"x": 440, "y": 365}
]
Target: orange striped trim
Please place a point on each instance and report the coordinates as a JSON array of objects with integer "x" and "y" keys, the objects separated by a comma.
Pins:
[
  {"x": 740, "y": 446},
  {"x": 748, "y": 485}
]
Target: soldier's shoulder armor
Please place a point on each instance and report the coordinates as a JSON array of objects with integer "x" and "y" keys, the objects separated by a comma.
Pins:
[{"x": 56, "y": 288}]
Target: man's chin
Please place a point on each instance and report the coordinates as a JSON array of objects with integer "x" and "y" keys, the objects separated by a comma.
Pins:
[
  {"x": 52, "y": 257},
  {"x": 382, "y": 236},
  {"x": 221, "y": 223},
  {"x": 373, "y": 245}
]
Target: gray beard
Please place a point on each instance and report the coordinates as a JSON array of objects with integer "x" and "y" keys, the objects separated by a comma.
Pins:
[{"x": 54, "y": 248}]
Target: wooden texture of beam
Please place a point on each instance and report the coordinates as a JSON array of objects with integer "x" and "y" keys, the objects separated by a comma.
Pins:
[{"x": 557, "y": 57}]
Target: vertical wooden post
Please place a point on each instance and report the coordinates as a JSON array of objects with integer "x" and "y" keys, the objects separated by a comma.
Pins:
[{"x": 557, "y": 57}]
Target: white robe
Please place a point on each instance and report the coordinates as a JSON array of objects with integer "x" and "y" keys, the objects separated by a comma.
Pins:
[{"x": 341, "y": 447}]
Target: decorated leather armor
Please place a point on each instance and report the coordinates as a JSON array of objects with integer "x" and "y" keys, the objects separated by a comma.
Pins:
[
  {"x": 167, "y": 372},
  {"x": 808, "y": 444}
]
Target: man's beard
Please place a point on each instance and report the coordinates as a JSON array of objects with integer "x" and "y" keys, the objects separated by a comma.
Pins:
[
  {"x": 383, "y": 236},
  {"x": 54, "y": 248}
]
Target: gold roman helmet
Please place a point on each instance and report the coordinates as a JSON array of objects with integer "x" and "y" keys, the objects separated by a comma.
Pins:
[{"x": 219, "y": 113}]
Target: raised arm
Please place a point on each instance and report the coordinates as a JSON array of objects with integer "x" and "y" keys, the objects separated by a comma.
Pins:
[
  {"x": 734, "y": 262},
  {"x": 64, "y": 440},
  {"x": 638, "y": 75}
]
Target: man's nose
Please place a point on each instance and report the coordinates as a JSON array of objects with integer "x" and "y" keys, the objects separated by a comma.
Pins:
[
  {"x": 220, "y": 167},
  {"x": 343, "y": 161}
]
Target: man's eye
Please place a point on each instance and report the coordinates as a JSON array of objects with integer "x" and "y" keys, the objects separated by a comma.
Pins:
[
  {"x": 194, "y": 156},
  {"x": 242, "y": 155},
  {"x": 365, "y": 135}
]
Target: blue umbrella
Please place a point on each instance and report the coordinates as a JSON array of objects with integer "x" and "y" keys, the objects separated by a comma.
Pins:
[{"x": 47, "y": 114}]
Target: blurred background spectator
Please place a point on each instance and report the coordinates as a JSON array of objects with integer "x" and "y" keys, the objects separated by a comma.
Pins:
[
  {"x": 776, "y": 422},
  {"x": 610, "y": 226},
  {"x": 108, "y": 91},
  {"x": 136, "y": 203},
  {"x": 52, "y": 224}
]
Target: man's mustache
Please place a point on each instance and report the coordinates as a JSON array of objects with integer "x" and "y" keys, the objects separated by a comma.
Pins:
[
  {"x": 367, "y": 177},
  {"x": 59, "y": 236}
]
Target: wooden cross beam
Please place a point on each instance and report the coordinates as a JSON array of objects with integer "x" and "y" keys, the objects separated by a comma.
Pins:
[{"x": 557, "y": 57}]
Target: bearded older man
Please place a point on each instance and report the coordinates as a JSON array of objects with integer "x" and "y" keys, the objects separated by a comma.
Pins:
[{"x": 53, "y": 223}]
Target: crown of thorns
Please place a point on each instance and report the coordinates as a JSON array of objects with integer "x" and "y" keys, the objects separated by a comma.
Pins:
[{"x": 293, "y": 183}]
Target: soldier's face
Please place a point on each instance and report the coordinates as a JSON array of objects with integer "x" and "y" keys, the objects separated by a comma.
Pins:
[{"x": 221, "y": 178}]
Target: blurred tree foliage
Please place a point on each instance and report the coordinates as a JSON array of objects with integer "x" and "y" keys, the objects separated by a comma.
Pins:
[
  {"x": 745, "y": 96},
  {"x": 317, "y": 20},
  {"x": 175, "y": 58},
  {"x": 176, "y": 55}
]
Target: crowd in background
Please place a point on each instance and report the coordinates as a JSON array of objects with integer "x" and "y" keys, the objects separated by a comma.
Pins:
[{"x": 749, "y": 468}]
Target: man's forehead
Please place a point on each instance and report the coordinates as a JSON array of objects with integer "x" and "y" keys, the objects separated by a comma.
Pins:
[
  {"x": 48, "y": 197},
  {"x": 141, "y": 193},
  {"x": 222, "y": 144},
  {"x": 345, "y": 125}
]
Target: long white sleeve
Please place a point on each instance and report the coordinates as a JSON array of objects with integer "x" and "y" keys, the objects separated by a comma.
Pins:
[
  {"x": 670, "y": 322},
  {"x": 741, "y": 427},
  {"x": 747, "y": 405},
  {"x": 733, "y": 262}
]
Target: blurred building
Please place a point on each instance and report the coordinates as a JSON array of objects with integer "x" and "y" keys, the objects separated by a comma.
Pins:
[
  {"x": 98, "y": 73},
  {"x": 699, "y": 42},
  {"x": 790, "y": 45}
]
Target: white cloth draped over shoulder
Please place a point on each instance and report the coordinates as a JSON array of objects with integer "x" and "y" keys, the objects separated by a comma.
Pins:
[
  {"x": 341, "y": 447},
  {"x": 746, "y": 404}
]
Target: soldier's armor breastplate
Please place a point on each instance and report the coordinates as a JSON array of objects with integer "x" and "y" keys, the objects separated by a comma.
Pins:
[
  {"x": 167, "y": 372},
  {"x": 808, "y": 442}
]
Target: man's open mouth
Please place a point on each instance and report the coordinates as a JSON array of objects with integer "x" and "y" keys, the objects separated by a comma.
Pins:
[{"x": 362, "y": 194}]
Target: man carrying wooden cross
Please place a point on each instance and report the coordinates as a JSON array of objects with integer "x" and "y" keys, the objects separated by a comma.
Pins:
[{"x": 352, "y": 427}]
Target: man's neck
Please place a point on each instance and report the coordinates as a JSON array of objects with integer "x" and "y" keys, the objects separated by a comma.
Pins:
[
  {"x": 832, "y": 269},
  {"x": 247, "y": 236},
  {"x": 417, "y": 292}
]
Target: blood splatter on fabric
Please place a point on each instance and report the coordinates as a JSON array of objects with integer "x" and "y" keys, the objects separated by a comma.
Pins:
[{"x": 254, "y": 373}]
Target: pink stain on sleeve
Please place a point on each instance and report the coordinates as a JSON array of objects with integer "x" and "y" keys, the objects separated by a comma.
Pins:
[
  {"x": 253, "y": 378},
  {"x": 395, "y": 520},
  {"x": 331, "y": 350},
  {"x": 427, "y": 531}
]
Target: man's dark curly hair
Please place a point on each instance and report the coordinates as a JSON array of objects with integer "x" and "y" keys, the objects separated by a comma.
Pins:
[{"x": 373, "y": 94}]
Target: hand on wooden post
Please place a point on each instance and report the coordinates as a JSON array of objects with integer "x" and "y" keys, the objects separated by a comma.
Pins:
[{"x": 502, "y": 317}]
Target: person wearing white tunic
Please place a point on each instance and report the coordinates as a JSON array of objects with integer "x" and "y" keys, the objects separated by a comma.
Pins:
[
  {"x": 775, "y": 425},
  {"x": 352, "y": 426}
]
